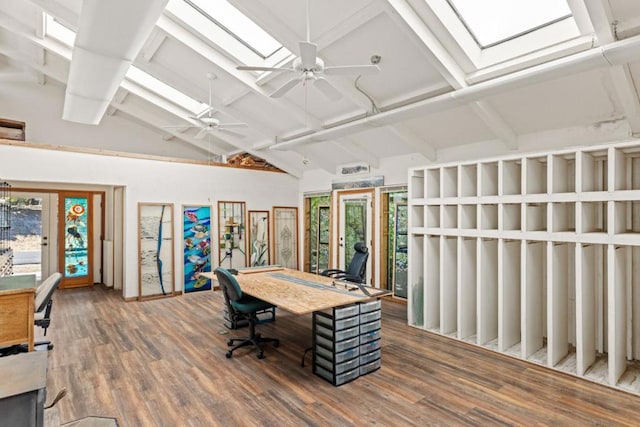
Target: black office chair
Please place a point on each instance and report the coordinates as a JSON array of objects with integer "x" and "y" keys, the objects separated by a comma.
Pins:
[
  {"x": 243, "y": 306},
  {"x": 357, "y": 268}
]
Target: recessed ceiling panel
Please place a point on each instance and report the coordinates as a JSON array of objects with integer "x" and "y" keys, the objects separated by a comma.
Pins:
[
  {"x": 458, "y": 126},
  {"x": 404, "y": 66},
  {"x": 580, "y": 99}
]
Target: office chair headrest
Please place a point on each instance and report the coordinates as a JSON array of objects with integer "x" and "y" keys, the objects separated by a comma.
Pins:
[{"x": 360, "y": 247}]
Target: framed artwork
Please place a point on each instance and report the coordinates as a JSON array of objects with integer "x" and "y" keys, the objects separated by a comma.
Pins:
[
  {"x": 155, "y": 250},
  {"x": 285, "y": 236},
  {"x": 196, "y": 239},
  {"x": 232, "y": 234},
  {"x": 259, "y": 238}
]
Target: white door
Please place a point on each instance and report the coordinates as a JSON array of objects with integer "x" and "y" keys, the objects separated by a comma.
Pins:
[
  {"x": 34, "y": 233},
  {"x": 355, "y": 225}
]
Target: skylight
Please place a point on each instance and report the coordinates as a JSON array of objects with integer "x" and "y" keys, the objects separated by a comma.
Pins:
[
  {"x": 66, "y": 36},
  {"x": 236, "y": 24},
  {"x": 492, "y": 22}
]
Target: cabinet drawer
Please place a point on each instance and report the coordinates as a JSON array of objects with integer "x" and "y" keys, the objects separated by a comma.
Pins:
[
  {"x": 337, "y": 368},
  {"x": 370, "y": 367},
  {"x": 371, "y": 326},
  {"x": 370, "y": 316},
  {"x": 366, "y": 307},
  {"x": 370, "y": 346},
  {"x": 337, "y": 357},
  {"x": 339, "y": 335},
  {"x": 337, "y": 324},
  {"x": 369, "y": 357},
  {"x": 369, "y": 336},
  {"x": 337, "y": 347}
]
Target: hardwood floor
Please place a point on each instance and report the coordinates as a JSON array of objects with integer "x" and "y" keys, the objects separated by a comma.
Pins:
[{"x": 162, "y": 363}]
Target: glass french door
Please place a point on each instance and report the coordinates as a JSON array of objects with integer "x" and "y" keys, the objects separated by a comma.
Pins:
[
  {"x": 75, "y": 248},
  {"x": 317, "y": 233},
  {"x": 355, "y": 225}
]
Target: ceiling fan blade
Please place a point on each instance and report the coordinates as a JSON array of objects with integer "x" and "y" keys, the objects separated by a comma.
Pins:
[
  {"x": 352, "y": 69},
  {"x": 232, "y": 125},
  {"x": 308, "y": 52},
  {"x": 179, "y": 127},
  {"x": 203, "y": 132},
  {"x": 285, "y": 88},
  {"x": 249, "y": 68},
  {"x": 232, "y": 133},
  {"x": 327, "y": 89}
]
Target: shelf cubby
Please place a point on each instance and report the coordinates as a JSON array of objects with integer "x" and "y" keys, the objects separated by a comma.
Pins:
[
  {"x": 536, "y": 217},
  {"x": 489, "y": 217},
  {"x": 467, "y": 289},
  {"x": 563, "y": 177},
  {"x": 560, "y": 278},
  {"x": 625, "y": 222},
  {"x": 511, "y": 179},
  {"x": 626, "y": 173},
  {"x": 509, "y": 303},
  {"x": 590, "y": 297},
  {"x": 416, "y": 184},
  {"x": 618, "y": 288},
  {"x": 594, "y": 217},
  {"x": 487, "y": 282},
  {"x": 468, "y": 180},
  {"x": 433, "y": 183},
  {"x": 416, "y": 216},
  {"x": 594, "y": 170},
  {"x": 415, "y": 304},
  {"x": 534, "y": 330},
  {"x": 433, "y": 216},
  {"x": 536, "y": 175},
  {"x": 449, "y": 285},
  {"x": 432, "y": 283},
  {"x": 450, "y": 181},
  {"x": 468, "y": 217},
  {"x": 563, "y": 217},
  {"x": 489, "y": 179},
  {"x": 450, "y": 216},
  {"x": 511, "y": 217}
]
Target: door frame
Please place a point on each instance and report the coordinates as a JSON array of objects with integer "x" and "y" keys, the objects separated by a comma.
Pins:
[{"x": 371, "y": 243}]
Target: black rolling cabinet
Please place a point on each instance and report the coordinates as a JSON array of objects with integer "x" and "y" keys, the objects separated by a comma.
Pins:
[{"x": 346, "y": 342}]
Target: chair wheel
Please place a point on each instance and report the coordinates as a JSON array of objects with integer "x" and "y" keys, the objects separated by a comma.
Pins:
[
  {"x": 276, "y": 344},
  {"x": 230, "y": 343},
  {"x": 228, "y": 355},
  {"x": 261, "y": 355}
]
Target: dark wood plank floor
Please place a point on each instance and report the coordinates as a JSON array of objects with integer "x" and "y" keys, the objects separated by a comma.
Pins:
[{"x": 162, "y": 363}]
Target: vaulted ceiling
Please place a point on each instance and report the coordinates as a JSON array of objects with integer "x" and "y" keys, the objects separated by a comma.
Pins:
[{"x": 437, "y": 89}]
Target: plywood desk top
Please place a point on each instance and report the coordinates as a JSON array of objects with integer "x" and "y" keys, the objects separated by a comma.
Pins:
[{"x": 295, "y": 291}]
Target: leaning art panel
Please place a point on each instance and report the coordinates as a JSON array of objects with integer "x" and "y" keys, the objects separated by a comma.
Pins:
[
  {"x": 259, "y": 238},
  {"x": 197, "y": 247},
  {"x": 285, "y": 236},
  {"x": 232, "y": 235},
  {"x": 155, "y": 250}
]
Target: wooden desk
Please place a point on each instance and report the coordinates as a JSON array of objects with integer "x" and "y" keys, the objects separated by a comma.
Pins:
[
  {"x": 293, "y": 290},
  {"x": 17, "y": 300}
]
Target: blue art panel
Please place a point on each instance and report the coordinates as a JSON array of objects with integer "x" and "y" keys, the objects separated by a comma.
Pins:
[
  {"x": 197, "y": 247},
  {"x": 76, "y": 259}
]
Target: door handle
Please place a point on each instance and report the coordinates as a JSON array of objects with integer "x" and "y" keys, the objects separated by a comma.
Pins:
[{"x": 43, "y": 244}]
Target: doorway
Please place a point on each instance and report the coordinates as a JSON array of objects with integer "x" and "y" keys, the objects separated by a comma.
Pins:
[
  {"x": 355, "y": 224},
  {"x": 317, "y": 233},
  {"x": 394, "y": 261},
  {"x": 33, "y": 240}
]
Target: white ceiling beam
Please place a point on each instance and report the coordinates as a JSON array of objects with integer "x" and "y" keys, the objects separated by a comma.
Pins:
[
  {"x": 152, "y": 45},
  {"x": 450, "y": 70},
  {"x": 626, "y": 91},
  {"x": 60, "y": 11}
]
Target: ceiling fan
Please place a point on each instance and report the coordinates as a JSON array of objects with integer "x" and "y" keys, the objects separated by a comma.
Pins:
[
  {"x": 207, "y": 123},
  {"x": 309, "y": 67}
]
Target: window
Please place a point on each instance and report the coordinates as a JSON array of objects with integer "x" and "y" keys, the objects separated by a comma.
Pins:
[
  {"x": 491, "y": 22},
  {"x": 236, "y": 24}
]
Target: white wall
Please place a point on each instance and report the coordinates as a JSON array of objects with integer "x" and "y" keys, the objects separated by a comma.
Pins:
[{"x": 151, "y": 181}]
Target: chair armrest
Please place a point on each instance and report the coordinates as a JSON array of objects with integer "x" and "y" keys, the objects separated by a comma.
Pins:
[
  {"x": 348, "y": 277},
  {"x": 331, "y": 272}
]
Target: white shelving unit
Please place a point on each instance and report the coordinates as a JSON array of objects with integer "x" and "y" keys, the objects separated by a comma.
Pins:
[{"x": 535, "y": 256}]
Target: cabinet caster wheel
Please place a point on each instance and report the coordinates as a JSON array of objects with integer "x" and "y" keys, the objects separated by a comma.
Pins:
[
  {"x": 260, "y": 355},
  {"x": 276, "y": 344},
  {"x": 228, "y": 355},
  {"x": 229, "y": 343}
]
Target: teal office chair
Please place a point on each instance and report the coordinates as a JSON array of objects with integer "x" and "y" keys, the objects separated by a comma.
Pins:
[{"x": 243, "y": 306}]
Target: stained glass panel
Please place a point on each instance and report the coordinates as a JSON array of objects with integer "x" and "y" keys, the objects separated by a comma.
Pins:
[{"x": 76, "y": 255}]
